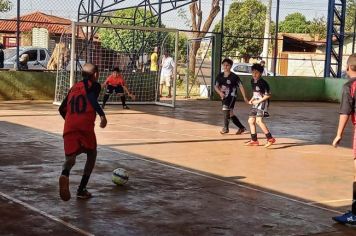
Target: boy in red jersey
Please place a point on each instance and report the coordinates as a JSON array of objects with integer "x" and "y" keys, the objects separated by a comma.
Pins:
[
  {"x": 115, "y": 82},
  {"x": 347, "y": 111},
  {"x": 79, "y": 110}
]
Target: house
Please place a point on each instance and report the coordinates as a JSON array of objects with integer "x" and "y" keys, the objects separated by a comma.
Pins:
[
  {"x": 37, "y": 29},
  {"x": 299, "y": 55}
]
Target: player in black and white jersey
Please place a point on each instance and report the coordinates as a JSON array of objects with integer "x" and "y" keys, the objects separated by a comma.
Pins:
[
  {"x": 259, "y": 102},
  {"x": 226, "y": 85}
]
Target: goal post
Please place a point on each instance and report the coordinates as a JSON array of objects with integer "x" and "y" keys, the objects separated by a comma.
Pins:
[{"x": 123, "y": 46}]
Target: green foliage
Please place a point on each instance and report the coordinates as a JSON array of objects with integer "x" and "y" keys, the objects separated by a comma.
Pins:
[
  {"x": 350, "y": 15},
  {"x": 130, "y": 40},
  {"x": 5, "y": 5},
  {"x": 182, "y": 45},
  {"x": 244, "y": 22},
  {"x": 318, "y": 27},
  {"x": 294, "y": 23}
]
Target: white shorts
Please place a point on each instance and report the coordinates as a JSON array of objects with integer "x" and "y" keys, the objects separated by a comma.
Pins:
[{"x": 167, "y": 80}]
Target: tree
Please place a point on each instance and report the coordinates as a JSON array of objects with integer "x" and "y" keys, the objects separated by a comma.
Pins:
[
  {"x": 5, "y": 5},
  {"x": 294, "y": 23},
  {"x": 318, "y": 27},
  {"x": 244, "y": 29},
  {"x": 199, "y": 29},
  {"x": 350, "y": 16},
  {"x": 130, "y": 40}
]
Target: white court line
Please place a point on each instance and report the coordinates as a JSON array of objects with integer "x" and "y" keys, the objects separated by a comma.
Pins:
[
  {"x": 49, "y": 216},
  {"x": 165, "y": 131},
  {"x": 331, "y": 201}
]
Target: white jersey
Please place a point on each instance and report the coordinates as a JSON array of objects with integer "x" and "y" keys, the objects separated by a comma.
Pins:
[{"x": 167, "y": 66}]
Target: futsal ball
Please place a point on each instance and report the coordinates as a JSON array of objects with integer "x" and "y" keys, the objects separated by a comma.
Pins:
[{"x": 120, "y": 176}]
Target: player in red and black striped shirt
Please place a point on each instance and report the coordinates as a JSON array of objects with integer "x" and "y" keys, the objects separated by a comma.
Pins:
[{"x": 79, "y": 110}]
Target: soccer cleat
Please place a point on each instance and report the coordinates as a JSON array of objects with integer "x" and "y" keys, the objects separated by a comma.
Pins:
[
  {"x": 64, "y": 192},
  {"x": 270, "y": 142},
  {"x": 252, "y": 143},
  {"x": 347, "y": 218},
  {"x": 83, "y": 194},
  {"x": 242, "y": 131},
  {"x": 126, "y": 107},
  {"x": 224, "y": 131}
]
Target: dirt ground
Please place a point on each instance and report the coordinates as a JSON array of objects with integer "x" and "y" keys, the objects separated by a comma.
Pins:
[{"x": 185, "y": 177}]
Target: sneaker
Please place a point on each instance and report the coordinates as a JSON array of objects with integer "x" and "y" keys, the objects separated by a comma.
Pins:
[
  {"x": 265, "y": 114},
  {"x": 270, "y": 142},
  {"x": 252, "y": 143},
  {"x": 64, "y": 192},
  {"x": 242, "y": 131},
  {"x": 126, "y": 107},
  {"x": 347, "y": 218},
  {"x": 84, "y": 194},
  {"x": 224, "y": 131}
]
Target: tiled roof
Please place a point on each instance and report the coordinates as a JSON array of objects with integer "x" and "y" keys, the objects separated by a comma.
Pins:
[{"x": 54, "y": 24}]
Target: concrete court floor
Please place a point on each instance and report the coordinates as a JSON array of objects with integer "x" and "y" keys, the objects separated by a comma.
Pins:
[{"x": 185, "y": 178}]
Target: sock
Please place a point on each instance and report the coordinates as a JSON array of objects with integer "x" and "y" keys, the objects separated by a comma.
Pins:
[
  {"x": 65, "y": 172},
  {"x": 354, "y": 199},
  {"x": 123, "y": 100},
  {"x": 83, "y": 182},
  {"x": 269, "y": 135},
  {"x": 226, "y": 119},
  {"x": 105, "y": 99},
  {"x": 237, "y": 122},
  {"x": 254, "y": 137}
]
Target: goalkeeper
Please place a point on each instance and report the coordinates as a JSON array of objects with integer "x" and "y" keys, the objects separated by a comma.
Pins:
[{"x": 115, "y": 82}]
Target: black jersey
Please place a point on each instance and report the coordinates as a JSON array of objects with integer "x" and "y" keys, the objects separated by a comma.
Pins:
[
  {"x": 260, "y": 88},
  {"x": 228, "y": 85},
  {"x": 348, "y": 104}
]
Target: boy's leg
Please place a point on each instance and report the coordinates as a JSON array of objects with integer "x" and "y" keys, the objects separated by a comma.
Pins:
[
  {"x": 252, "y": 124},
  {"x": 225, "y": 130},
  {"x": 237, "y": 122},
  {"x": 89, "y": 166},
  {"x": 350, "y": 217},
  {"x": 265, "y": 130},
  {"x": 64, "y": 192},
  {"x": 109, "y": 91}
]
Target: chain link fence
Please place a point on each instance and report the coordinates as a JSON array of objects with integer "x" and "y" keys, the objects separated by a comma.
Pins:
[{"x": 294, "y": 45}]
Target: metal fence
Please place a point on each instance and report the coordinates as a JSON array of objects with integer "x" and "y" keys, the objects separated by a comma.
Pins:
[{"x": 295, "y": 44}]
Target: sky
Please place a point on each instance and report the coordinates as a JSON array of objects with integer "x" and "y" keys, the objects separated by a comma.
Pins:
[{"x": 69, "y": 8}]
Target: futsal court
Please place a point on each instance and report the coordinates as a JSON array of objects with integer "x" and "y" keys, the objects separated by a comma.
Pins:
[{"x": 185, "y": 177}]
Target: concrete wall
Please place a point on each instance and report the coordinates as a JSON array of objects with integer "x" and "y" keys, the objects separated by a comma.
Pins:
[
  {"x": 15, "y": 85},
  {"x": 292, "y": 88}
]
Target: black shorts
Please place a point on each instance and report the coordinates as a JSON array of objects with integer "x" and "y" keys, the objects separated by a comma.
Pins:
[
  {"x": 118, "y": 89},
  {"x": 228, "y": 103},
  {"x": 254, "y": 112}
]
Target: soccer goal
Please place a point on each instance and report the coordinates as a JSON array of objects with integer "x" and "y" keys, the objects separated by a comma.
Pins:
[{"x": 127, "y": 47}]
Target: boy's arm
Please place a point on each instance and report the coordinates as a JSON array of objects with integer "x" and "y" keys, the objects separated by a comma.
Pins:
[
  {"x": 93, "y": 94},
  {"x": 126, "y": 90},
  {"x": 346, "y": 109},
  {"x": 343, "y": 119},
  {"x": 63, "y": 108}
]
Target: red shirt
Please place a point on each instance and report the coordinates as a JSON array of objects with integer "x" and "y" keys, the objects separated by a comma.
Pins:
[
  {"x": 115, "y": 80},
  {"x": 80, "y": 113}
]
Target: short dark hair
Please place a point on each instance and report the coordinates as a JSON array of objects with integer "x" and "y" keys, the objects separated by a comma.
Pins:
[
  {"x": 89, "y": 70},
  {"x": 257, "y": 67},
  {"x": 116, "y": 69},
  {"x": 1, "y": 46},
  {"x": 227, "y": 60}
]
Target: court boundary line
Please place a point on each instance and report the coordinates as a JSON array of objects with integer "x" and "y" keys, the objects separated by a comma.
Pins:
[{"x": 46, "y": 215}]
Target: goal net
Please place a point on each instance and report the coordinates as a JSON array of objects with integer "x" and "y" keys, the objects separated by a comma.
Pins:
[{"x": 128, "y": 47}]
